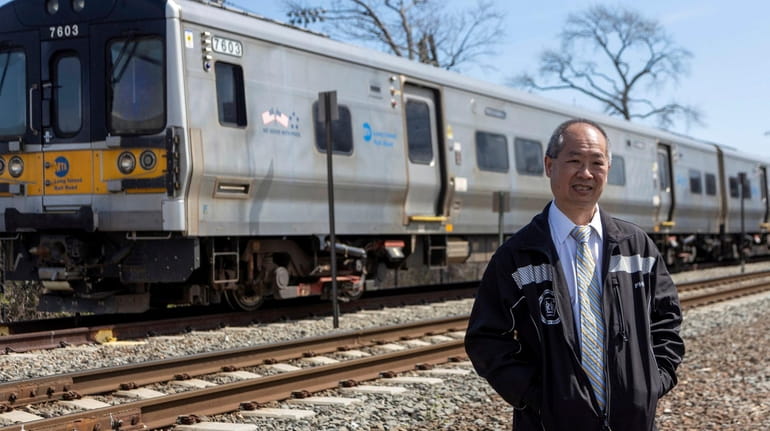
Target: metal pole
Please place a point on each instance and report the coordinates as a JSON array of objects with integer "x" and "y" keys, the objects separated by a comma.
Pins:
[
  {"x": 742, "y": 177},
  {"x": 500, "y": 211},
  {"x": 329, "y": 106}
]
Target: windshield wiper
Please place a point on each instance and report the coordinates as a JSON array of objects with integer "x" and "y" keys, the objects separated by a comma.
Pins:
[
  {"x": 5, "y": 70},
  {"x": 134, "y": 43}
]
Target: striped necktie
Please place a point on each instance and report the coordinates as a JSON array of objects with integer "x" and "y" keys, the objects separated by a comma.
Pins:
[{"x": 591, "y": 323}]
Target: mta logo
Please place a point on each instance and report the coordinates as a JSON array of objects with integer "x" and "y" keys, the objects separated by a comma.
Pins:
[{"x": 62, "y": 166}]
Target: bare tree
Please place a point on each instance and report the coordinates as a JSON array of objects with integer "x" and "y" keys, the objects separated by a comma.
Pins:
[
  {"x": 619, "y": 58},
  {"x": 422, "y": 30}
]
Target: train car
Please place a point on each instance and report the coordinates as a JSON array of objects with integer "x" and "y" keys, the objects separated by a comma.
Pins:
[
  {"x": 744, "y": 203},
  {"x": 157, "y": 152}
]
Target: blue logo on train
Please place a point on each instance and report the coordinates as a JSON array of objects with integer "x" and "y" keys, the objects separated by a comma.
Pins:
[
  {"x": 367, "y": 132},
  {"x": 62, "y": 166}
]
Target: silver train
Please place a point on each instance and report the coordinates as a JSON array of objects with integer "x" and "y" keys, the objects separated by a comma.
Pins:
[{"x": 156, "y": 152}]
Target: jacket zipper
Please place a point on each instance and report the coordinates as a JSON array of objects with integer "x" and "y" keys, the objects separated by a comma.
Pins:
[
  {"x": 606, "y": 425},
  {"x": 619, "y": 304}
]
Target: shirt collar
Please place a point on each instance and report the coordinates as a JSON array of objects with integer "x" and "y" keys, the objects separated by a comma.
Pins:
[{"x": 562, "y": 226}]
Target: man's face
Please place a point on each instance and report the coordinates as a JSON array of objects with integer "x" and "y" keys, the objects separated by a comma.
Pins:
[{"x": 579, "y": 171}]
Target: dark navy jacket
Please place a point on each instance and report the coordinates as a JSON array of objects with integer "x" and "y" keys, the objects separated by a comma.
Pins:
[{"x": 522, "y": 337}]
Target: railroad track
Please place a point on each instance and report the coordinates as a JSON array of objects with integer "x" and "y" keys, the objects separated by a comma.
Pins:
[
  {"x": 722, "y": 281},
  {"x": 38, "y": 335},
  {"x": 22, "y": 337},
  {"x": 706, "y": 292},
  {"x": 163, "y": 411}
]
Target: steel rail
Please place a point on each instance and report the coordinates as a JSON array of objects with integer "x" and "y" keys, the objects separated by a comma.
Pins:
[
  {"x": 163, "y": 411},
  {"x": 45, "y": 339},
  {"x": 698, "y": 299},
  {"x": 727, "y": 279},
  {"x": 110, "y": 379},
  {"x": 27, "y": 336}
]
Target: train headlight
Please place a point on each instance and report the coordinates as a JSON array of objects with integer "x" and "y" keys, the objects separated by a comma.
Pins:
[
  {"x": 2, "y": 165},
  {"x": 126, "y": 162},
  {"x": 15, "y": 166},
  {"x": 147, "y": 160},
  {"x": 78, "y": 5},
  {"x": 52, "y": 6}
]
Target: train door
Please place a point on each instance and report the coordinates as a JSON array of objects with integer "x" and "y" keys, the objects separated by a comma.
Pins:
[
  {"x": 664, "y": 216},
  {"x": 424, "y": 161},
  {"x": 65, "y": 121}
]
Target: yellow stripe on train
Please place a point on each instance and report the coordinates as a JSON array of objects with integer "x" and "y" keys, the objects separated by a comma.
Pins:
[{"x": 81, "y": 171}]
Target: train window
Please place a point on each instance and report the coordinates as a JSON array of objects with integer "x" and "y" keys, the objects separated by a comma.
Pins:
[
  {"x": 663, "y": 172},
  {"x": 696, "y": 185},
  {"x": 137, "y": 90},
  {"x": 529, "y": 156},
  {"x": 711, "y": 184},
  {"x": 68, "y": 103},
  {"x": 491, "y": 152},
  {"x": 735, "y": 188},
  {"x": 418, "y": 132},
  {"x": 617, "y": 173},
  {"x": 13, "y": 98},
  {"x": 231, "y": 98},
  {"x": 342, "y": 131}
]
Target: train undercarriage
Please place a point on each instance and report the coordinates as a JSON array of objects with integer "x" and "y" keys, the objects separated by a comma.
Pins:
[
  {"x": 131, "y": 273},
  {"x": 681, "y": 251}
]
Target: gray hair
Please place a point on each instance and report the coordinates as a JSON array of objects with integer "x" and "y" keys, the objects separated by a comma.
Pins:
[{"x": 556, "y": 143}]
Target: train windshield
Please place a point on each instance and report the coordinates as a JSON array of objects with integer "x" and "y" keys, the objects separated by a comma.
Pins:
[
  {"x": 137, "y": 86},
  {"x": 13, "y": 102}
]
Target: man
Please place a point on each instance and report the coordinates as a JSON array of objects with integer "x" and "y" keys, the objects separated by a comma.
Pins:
[{"x": 576, "y": 322}]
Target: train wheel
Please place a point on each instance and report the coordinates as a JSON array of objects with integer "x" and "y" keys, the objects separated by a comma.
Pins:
[
  {"x": 351, "y": 291},
  {"x": 244, "y": 298}
]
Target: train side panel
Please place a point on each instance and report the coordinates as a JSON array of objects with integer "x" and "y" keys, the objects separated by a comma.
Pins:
[
  {"x": 754, "y": 203},
  {"x": 631, "y": 189},
  {"x": 268, "y": 176},
  {"x": 696, "y": 190},
  {"x": 483, "y": 137}
]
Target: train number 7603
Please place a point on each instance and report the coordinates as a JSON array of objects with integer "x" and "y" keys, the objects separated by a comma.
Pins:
[{"x": 60, "y": 31}]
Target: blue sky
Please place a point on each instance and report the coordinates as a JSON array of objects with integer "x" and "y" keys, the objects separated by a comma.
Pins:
[{"x": 729, "y": 79}]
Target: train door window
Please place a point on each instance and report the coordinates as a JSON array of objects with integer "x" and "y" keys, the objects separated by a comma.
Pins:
[
  {"x": 342, "y": 131},
  {"x": 696, "y": 186},
  {"x": 665, "y": 184},
  {"x": 418, "y": 132},
  {"x": 617, "y": 173},
  {"x": 231, "y": 98},
  {"x": 137, "y": 90},
  {"x": 735, "y": 191},
  {"x": 711, "y": 184},
  {"x": 492, "y": 152},
  {"x": 13, "y": 98},
  {"x": 68, "y": 103},
  {"x": 529, "y": 156}
]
